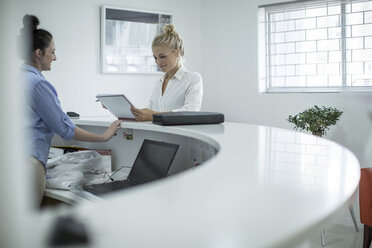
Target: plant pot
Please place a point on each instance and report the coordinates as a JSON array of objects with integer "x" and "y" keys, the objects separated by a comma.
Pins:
[{"x": 317, "y": 133}]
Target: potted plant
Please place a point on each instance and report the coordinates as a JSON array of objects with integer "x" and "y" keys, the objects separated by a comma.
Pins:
[{"x": 316, "y": 119}]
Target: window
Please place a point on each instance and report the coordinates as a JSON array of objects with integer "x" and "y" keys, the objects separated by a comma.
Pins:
[
  {"x": 315, "y": 46},
  {"x": 126, "y": 40}
]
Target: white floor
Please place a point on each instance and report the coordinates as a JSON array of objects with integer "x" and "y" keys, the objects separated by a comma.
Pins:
[{"x": 338, "y": 236}]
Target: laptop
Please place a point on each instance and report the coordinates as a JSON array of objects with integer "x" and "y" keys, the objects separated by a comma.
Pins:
[{"x": 153, "y": 162}]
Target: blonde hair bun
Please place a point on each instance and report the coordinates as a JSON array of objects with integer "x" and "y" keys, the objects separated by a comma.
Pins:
[
  {"x": 169, "y": 28},
  {"x": 169, "y": 38}
]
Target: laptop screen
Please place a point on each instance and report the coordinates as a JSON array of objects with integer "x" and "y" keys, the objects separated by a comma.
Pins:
[{"x": 153, "y": 161}]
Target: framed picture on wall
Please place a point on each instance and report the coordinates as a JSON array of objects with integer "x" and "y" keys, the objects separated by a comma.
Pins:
[{"x": 126, "y": 38}]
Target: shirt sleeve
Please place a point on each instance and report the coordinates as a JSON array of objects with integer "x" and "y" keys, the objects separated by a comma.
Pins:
[
  {"x": 48, "y": 107},
  {"x": 193, "y": 95}
]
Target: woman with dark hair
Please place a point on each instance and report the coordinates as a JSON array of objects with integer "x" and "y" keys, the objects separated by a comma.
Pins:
[{"x": 46, "y": 117}]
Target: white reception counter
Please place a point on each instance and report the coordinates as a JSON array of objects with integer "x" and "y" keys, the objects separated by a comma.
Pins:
[{"x": 258, "y": 187}]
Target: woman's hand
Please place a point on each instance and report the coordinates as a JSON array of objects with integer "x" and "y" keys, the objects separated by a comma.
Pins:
[
  {"x": 142, "y": 114},
  {"x": 111, "y": 131},
  {"x": 82, "y": 135}
]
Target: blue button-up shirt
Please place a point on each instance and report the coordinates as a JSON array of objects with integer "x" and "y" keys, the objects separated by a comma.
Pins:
[{"x": 46, "y": 116}]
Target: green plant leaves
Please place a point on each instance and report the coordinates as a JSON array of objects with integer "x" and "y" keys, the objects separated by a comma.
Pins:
[{"x": 315, "y": 119}]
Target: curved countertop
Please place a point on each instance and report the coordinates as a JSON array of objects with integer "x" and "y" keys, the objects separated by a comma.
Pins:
[{"x": 265, "y": 187}]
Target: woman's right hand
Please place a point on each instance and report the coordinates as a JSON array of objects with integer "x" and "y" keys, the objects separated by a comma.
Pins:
[{"x": 111, "y": 131}]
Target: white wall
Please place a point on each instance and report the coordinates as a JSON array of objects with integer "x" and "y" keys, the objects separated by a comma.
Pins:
[
  {"x": 230, "y": 74},
  {"x": 75, "y": 26}
]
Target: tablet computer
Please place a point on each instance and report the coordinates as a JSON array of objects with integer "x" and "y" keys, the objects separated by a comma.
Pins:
[{"x": 118, "y": 105}]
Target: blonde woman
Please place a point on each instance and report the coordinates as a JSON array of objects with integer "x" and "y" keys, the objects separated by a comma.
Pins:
[{"x": 178, "y": 89}]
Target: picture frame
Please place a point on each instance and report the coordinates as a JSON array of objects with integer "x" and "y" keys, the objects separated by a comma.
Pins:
[{"x": 126, "y": 38}]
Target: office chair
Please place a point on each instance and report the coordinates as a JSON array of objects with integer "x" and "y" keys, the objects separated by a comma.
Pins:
[{"x": 365, "y": 204}]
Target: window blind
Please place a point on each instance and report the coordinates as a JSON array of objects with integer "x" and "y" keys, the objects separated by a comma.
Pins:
[{"x": 316, "y": 46}]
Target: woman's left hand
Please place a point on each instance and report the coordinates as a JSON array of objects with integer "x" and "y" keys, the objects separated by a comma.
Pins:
[{"x": 142, "y": 114}]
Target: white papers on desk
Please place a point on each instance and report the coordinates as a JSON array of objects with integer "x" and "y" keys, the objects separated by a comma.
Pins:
[
  {"x": 117, "y": 104},
  {"x": 74, "y": 169},
  {"x": 55, "y": 152}
]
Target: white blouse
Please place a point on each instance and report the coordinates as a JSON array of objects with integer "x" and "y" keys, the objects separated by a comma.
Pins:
[{"x": 184, "y": 92}]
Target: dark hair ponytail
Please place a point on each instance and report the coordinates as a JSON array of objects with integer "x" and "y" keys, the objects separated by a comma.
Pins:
[{"x": 33, "y": 38}]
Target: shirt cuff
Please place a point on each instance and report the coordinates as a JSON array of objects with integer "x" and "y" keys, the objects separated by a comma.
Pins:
[{"x": 69, "y": 129}]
